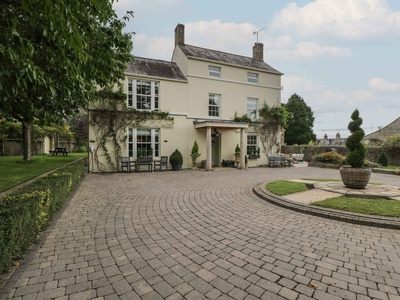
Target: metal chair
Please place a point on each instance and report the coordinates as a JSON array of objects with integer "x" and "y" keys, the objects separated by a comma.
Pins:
[
  {"x": 125, "y": 164},
  {"x": 163, "y": 162}
]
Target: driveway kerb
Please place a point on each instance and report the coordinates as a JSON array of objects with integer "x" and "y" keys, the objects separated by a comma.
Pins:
[{"x": 355, "y": 218}]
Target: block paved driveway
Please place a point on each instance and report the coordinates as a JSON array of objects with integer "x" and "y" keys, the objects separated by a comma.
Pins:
[{"x": 205, "y": 235}]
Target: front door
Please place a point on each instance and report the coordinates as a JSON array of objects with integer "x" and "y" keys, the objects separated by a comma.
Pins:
[{"x": 215, "y": 143}]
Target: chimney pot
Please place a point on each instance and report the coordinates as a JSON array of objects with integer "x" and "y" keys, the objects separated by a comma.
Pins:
[
  {"x": 179, "y": 35},
  {"x": 258, "y": 51}
]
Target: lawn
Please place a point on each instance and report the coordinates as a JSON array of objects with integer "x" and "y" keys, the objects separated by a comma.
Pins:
[
  {"x": 381, "y": 207},
  {"x": 13, "y": 170}
]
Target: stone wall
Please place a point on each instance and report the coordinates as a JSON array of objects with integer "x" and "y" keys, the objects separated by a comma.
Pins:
[{"x": 372, "y": 155}]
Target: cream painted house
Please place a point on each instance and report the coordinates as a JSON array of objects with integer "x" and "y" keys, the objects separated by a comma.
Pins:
[{"x": 202, "y": 90}]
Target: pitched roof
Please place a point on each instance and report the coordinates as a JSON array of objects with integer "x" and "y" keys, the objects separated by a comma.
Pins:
[
  {"x": 227, "y": 58},
  {"x": 156, "y": 68}
]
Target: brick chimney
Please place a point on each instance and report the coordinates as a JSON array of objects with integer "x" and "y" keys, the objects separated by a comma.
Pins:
[
  {"x": 258, "y": 51},
  {"x": 179, "y": 35}
]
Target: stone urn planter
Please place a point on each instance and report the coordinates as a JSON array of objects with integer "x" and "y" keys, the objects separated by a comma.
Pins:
[{"x": 356, "y": 178}]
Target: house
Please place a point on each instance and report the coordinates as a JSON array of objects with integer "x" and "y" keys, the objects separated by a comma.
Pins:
[
  {"x": 202, "y": 90},
  {"x": 379, "y": 136}
]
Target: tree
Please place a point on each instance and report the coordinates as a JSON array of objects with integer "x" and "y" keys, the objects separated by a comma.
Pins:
[
  {"x": 79, "y": 126},
  {"x": 53, "y": 56},
  {"x": 300, "y": 122}
]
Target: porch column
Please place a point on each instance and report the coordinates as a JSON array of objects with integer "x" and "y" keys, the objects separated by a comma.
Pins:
[
  {"x": 243, "y": 147},
  {"x": 208, "y": 150}
]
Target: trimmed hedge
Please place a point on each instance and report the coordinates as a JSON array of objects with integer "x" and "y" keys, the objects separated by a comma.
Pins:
[{"x": 25, "y": 213}]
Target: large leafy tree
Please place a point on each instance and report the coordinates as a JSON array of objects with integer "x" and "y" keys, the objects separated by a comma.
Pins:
[
  {"x": 53, "y": 56},
  {"x": 300, "y": 122}
]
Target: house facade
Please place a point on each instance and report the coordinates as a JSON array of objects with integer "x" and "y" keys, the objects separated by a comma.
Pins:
[{"x": 202, "y": 90}]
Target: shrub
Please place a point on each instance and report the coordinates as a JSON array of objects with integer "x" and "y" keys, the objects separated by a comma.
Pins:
[
  {"x": 329, "y": 157},
  {"x": 357, "y": 153},
  {"x": 383, "y": 159},
  {"x": 176, "y": 158},
  {"x": 25, "y": 213},
  {"x": 392, "y": 141}
]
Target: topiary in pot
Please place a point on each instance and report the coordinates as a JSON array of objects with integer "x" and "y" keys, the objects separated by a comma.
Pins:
[
  {"x": 195, "y": 153},
  {"x": 356, "y": 176},
  {"x": 176, "y": 160}
]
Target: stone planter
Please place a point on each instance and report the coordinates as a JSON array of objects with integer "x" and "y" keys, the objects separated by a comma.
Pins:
[{"x": 356, "y": 178}]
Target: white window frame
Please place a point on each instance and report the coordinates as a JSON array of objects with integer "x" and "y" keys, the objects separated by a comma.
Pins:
[
  {"x": 252, "y": 77},
  {"x": 252, "y": 108},
  {"x": 155, "y": 141},
  {"x": 252, "y": 138},
  {"x": 214, "y": 107},
  {"x": 132, "y": 96},
  {"x": 214, "y": 71}
]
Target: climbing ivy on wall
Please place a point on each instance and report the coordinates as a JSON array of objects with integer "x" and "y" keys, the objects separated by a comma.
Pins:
[
  {"x": 109, "y": 117},
  {"x": 269, "y": 125}
]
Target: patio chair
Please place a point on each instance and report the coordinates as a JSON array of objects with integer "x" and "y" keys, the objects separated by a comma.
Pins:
[
  {"x": 163, "y": 162},
  {"x": 125, "y": 164}
]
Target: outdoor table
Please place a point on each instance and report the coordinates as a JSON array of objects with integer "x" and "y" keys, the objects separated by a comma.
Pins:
[{"x": 62, "y": 150}]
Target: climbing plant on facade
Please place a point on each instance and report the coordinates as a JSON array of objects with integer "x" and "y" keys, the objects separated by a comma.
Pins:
[{"x": 109, "y": 118}]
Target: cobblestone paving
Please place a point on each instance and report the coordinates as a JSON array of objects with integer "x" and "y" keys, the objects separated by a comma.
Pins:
[{"x": 205, "y": 235}]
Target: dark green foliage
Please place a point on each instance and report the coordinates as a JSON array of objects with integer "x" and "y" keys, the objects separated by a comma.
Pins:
[
  {"x": 357, "y": 153},
  {"x": 237, "y": 149},
  {"x": 176, "y": 158},
  {"x": 195, "y": 148},
  {"x": 300, "y": 122},
  {"x": 383, "y": 159},
  {"x": 25, "y": 213}
]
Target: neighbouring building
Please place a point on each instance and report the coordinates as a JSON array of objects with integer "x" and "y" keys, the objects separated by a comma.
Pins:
[
  {"x": 379, "y": 136},
  {"x": 202, "y": 90}
]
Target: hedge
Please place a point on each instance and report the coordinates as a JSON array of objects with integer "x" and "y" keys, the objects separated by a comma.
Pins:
[{"x": 25, "y": 213}]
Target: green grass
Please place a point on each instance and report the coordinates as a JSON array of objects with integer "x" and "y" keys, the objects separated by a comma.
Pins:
[
  {"x": 282, "y": 187},
  {"x": 321, "y": 179},
  {"x": 381, "y": 207},
  {"x": 13, "y": 170}
]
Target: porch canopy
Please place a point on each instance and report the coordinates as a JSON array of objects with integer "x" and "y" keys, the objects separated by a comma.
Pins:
[{"x": 210, "y": 125}]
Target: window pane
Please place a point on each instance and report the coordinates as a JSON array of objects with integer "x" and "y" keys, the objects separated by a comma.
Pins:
[
  {"x": 143, "y": 95},
  {"x": 214, "y": 103},
  {"x": 252, "y": 146},
  {"x": 252, "y": 108},
  {"x": 252, "y": 77},
  {"x": 214, "y": 71}
]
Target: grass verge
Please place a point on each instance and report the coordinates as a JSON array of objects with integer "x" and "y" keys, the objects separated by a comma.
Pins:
[
  {"x": 13, "y": 170},
  {"x": 282, "y": 187},
  {"x": 380, "y": 207}
]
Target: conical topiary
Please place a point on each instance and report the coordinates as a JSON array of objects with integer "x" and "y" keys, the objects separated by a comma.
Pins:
[
  {"x": 357, "y": 153},
  {"x": 383, "y": 159}
]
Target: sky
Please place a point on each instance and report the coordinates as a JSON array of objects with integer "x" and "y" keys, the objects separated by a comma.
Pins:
[{"x": 338, "y": 55}]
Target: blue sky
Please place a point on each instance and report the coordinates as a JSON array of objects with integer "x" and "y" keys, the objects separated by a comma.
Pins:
[{"x": 337, "y": 54}]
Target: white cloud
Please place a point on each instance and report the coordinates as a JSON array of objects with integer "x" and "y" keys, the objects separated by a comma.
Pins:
[
  {"x": 381, "y": 84},
  {"x": 230, "y": 37},
  {"x": 348, "y": 19},
  {"x": 157, "y": 47}
]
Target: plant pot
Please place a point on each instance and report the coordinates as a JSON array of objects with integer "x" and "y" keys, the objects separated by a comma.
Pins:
[
  {"x": 176, "y": 167},
  {"x": 355, "y": 178}
]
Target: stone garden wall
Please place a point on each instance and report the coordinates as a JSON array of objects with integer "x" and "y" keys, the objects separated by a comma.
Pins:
[{"x": 372, "y": 155}]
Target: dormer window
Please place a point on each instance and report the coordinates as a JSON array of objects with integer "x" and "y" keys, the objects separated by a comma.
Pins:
[
  {"x": 252, "y": 77},
  {"x": 214, "y": 71}
]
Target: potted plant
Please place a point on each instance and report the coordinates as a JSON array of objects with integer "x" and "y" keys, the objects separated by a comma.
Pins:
[
  {"x": 176, "y": 160},
  {"x": 355, "y": 176},
  {"x": 237, "y": 154},
  {"x": 195, "y": 153}
]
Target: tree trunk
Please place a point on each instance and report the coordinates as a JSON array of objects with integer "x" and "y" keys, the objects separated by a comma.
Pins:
[{"x": 27, "y": 141}]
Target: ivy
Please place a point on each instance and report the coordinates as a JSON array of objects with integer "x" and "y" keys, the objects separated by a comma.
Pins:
[
  {"x": 110, "y": 117},
  {"x": 269, "y": 124}
]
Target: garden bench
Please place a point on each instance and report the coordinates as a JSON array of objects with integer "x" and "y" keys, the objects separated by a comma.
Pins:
[
  {"x": 144, "y": 161},
  {"x": 278, "y": 161}
]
